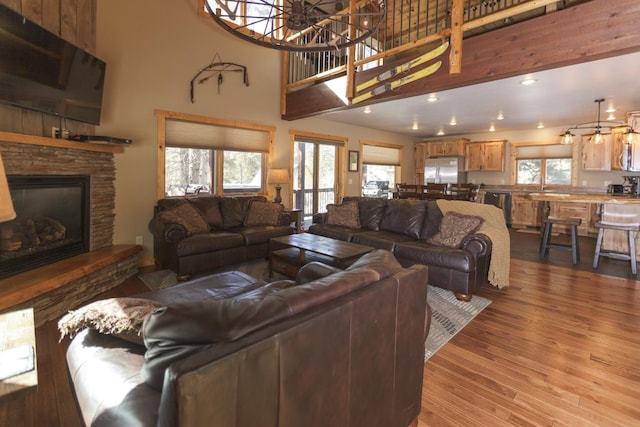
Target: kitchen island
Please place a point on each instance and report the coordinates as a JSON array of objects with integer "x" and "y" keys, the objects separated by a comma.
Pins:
[{"x": 606, "y": 207}]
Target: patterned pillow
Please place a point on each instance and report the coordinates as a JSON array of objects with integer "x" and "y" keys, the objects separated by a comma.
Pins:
[
  {"x": 346, "y": 214},
  {"x": 187, "y": 216},
  {"x": 454, "y": 228},
  {"x": 263, "y": 213},
  {"x": 114, "y": 316}
]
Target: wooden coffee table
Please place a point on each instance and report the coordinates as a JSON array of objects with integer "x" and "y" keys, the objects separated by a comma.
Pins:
[{"x": 288, "y": 254}]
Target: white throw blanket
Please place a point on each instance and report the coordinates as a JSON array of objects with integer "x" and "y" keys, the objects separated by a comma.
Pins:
[{"x": 493, "y": 226}]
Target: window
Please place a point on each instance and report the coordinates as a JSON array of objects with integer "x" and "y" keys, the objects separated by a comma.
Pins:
[
  {"x": 544, "y": 165},
  {"x": 208, "y": 156},
  {"x": 381, "y": 166}
]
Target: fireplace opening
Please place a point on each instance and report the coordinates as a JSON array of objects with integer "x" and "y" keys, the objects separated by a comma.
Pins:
[{"x": 51, "y": 224}]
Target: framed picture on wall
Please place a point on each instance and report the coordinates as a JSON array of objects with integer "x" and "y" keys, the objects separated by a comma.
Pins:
[{"x": 354, "y": 160}]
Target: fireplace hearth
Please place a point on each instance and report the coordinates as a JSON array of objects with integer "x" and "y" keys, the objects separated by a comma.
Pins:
[{"x": 51, "y": 224}]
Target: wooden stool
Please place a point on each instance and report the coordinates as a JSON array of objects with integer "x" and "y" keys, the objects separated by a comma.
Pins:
[
  {"x": 545, "y": 244},
  {"x": 631, "y": 229}
]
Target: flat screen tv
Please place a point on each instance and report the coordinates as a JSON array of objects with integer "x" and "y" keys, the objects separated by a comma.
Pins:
[{"x": 43, "y": 72}]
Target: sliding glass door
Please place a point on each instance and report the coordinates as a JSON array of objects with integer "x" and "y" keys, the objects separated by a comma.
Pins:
[{"x": 315, "y": 167}]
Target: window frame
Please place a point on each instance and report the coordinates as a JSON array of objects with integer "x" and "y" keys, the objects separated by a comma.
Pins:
[
  {"x": 514, "y": 163},
  {"x": 163, "y": 116}
]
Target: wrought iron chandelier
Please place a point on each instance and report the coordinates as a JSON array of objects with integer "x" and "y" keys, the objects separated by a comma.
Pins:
[
  {"x": 298, "y": 25},
  {"x": 631, "y": 136}
]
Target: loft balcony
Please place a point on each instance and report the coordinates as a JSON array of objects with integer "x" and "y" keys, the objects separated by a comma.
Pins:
[{"x": 489, "y": 40}]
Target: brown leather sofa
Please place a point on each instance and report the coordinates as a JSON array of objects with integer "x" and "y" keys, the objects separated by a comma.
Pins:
[
  {"x": 236, "y": 231},
  {"x": 402, "y": 227},
  {"x": 332, "y": 348}
]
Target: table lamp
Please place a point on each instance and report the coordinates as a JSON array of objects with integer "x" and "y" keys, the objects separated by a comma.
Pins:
[
  {"x": 277, "y": 177},
  {"x": 6, "y": 205}
]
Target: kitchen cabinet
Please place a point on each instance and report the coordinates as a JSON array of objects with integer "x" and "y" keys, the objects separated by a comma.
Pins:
[
  {"x": 486, "y": 156},
  {"x": 596, "y": 157},
  {"x": 525, "y": 212},
  {"x": 446, "y": 147},
  {"x": 585, "y": 211}
]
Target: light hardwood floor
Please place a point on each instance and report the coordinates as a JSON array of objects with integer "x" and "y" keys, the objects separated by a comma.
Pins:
[{"x": 558, "y": 347}]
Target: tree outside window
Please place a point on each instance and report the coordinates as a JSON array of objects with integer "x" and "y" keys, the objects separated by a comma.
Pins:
[{"x": 544, "y": 171}]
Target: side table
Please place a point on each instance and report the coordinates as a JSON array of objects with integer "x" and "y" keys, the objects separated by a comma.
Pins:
[
  {"x": 18, "y": 352},
  {"x": 298, "y": 216}
]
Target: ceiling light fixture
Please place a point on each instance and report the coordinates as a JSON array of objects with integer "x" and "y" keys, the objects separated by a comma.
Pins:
[
  {"x": 631, "y": 136},
  {"x": 440, "y": 132},
  {"x": 500, "y": 116},
  {"x": 415, "y": 126},
  {"x": 492, "y": 128},
  {"x": 432, "y": 97},
  {"x": 540, "y": 125},
  {"x": 367, "y": 110},
  {"x": 453, "y": 121},
  {"x": 528, "y": 81}
]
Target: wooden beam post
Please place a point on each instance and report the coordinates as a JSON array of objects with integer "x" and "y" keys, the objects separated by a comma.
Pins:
[{"x": 457, "y": 19}]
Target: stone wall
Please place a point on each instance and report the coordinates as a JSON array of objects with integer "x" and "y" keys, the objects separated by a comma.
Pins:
[{"x": 24, "y": 159}]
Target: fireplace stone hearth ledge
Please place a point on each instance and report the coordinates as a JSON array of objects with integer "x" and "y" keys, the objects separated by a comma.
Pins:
[{"x": 54, "y": 289}]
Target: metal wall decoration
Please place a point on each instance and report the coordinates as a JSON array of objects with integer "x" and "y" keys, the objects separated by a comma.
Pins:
[
  {"x": 218, "y": 67},
  {"x": 299, "y": 25}
]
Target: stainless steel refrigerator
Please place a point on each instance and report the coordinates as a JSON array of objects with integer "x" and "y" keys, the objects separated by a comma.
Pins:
[{"x": 444, "y": 170}]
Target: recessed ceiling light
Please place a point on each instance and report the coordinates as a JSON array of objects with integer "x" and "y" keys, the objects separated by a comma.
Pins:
[
  {"x": 366, "y": 110},
  {"x": 415, "y": 126},
  {"x": 440, "y": 132},
  {"x": 453, "y": 121},
  {"x": 492, "y": 128},
  {"x": 432, "y": 97},
  {"x": 528, "y": 81},
  {"x": 540, "y": 125},
  {"x": 611, "y": 116},
  {"x": 611, "y": 109},
  {"x": 500, "y": 116}
]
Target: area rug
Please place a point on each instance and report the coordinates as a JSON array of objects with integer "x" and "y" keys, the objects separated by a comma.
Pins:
[{"x": 449, "y": 315}]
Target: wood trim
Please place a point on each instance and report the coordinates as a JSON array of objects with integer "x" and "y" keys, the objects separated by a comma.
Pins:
[
  {"x": 455, "y": 54},
  {"x": 31, "y": 284},
  {"x": 21, "y": 138}
]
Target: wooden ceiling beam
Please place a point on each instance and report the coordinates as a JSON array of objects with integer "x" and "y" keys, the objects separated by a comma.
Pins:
[{"x": 590, "y": 31}]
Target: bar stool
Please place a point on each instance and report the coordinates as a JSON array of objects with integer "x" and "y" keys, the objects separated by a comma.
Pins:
[
  {"x": 631, "y": 229},
  {"x": 546, "y": 243}
]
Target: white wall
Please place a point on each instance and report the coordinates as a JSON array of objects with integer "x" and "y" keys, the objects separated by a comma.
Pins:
[{"x": 153, "y": 50}]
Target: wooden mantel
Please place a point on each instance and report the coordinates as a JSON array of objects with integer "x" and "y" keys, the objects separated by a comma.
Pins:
[{"x": 61, "y": 143}]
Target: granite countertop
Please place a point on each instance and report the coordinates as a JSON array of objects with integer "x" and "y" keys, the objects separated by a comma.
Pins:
[{"x": 585, "y": 198}]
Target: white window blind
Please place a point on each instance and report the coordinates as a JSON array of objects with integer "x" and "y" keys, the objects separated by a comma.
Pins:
[
  {"x": 378, "y": 155},
  {"x": 202, "y": 135},
  {"x": 552, "y": 151}
]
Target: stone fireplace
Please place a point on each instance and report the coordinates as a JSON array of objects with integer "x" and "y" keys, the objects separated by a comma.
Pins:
[
  {"x": 61, "y": 285},
  {"x": 52, "y": 221}
]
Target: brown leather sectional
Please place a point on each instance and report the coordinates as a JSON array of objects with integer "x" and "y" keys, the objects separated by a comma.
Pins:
[
  {"x": 332, "y": 348},
  {"x": 228, "y": 241},
  {"x": 401, "y": 226}
]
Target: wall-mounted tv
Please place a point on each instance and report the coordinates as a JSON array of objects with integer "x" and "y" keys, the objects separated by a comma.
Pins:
[{"x": 43, "y": 72}]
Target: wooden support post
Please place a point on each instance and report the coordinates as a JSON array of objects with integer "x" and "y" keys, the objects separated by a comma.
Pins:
[
  {"x": 351, "y": 51},
  {"x": 455, "y": 55}
]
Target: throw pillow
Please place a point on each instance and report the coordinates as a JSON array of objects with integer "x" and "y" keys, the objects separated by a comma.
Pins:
[
  {"x": 113, "y": 316},
  {"x": 263, "y": 213},
  {"x": 454, "y": 228},
  {"x": 371, "y": 213},
  {"x": 346, "y": 215},
  {"x": 186, "y": 215}
]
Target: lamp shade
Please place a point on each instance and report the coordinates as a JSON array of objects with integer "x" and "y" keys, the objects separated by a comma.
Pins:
[
  {"x": 6, "y": 205},
  {"x": 278, "y": 176}
]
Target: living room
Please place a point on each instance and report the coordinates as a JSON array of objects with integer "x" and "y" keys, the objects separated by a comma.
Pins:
[{"x": 152, "y": 53}]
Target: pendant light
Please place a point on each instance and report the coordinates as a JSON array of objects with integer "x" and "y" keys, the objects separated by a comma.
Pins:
[{"x": 597, "y": 137}]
